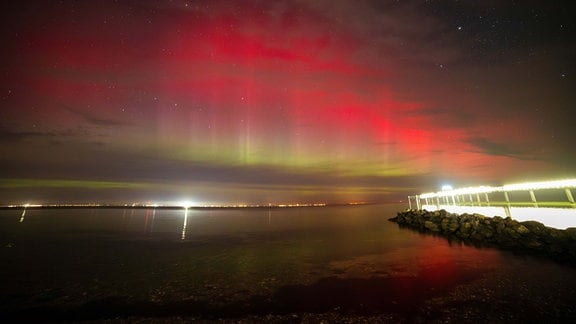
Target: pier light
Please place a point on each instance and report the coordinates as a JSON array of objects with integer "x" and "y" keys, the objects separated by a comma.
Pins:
[
  {"x": 558, "y": 184},
  {"x": 446, "y": 187}
]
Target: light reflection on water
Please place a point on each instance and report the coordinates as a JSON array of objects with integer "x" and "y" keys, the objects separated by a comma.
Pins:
[
  {"x": 22, "y": 216},
  {"x": 183, "y": 237},
  {"x": 560, "y": 218}
]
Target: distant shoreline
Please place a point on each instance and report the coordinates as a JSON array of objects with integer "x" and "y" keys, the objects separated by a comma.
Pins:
[{"x": 175, "y": 207}]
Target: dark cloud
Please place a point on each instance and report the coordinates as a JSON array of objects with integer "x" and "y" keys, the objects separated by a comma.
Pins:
[
  {"x": 11, "y": 135},
  {"x": 14, "y": 134},
  {"x": 94, "y": 119},
  {"x": 489, "y": 147},
  {"x": 453, "y": 117}
]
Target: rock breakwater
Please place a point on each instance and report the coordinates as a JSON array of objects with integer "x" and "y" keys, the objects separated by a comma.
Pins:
[{"x": 529, "y": 236}]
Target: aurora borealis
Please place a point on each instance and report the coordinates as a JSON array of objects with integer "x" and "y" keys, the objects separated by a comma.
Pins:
[{"x": 273, "y": 101}]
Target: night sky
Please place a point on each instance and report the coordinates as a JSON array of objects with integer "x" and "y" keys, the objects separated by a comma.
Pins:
[{"x": 282, "y": 101}]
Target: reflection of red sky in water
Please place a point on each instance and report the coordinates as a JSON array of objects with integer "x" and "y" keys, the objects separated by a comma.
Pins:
[
  {"x": 400, "y": 282},
  {"x": 443, "y": 263}
]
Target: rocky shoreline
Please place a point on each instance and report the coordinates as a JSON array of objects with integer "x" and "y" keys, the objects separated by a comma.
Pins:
[{"x": 527, "y": 237}]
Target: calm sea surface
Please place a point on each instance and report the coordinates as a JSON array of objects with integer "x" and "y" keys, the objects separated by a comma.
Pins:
[{"x": 263, "y": 264}]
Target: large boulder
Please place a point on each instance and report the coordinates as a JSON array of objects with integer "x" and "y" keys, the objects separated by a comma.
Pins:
[
  {"x": 521, "y": 229},
  {"x": 449, "y": 224},
  {"x": 536, "y": 228},
  {"x": 485, "y": 232},
  {"x": 465, "y": 230},
  {"x": 431, "y": 226}
]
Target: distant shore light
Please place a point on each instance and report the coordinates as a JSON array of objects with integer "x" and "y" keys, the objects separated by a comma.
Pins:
[
  {"x": 185, "y": 204},
  {"x": 446, "y": 187}
]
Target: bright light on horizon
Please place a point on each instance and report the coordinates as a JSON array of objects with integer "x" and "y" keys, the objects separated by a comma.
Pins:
[{"x": 185, "y": 204}]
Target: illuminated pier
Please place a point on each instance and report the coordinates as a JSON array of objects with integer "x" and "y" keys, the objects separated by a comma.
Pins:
[
  {"x": 549, "y": 202},
  {"x": 483, "y": 195}
]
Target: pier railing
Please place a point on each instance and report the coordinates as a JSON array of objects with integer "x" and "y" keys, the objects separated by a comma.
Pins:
[{"x": 559, "y": 194}]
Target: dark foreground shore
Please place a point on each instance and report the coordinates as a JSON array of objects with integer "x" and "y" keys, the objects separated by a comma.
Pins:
[{"x": 529, "y": 237}]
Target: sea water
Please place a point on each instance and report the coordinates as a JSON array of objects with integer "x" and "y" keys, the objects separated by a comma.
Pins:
[{"x": 95, "y": 264}]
